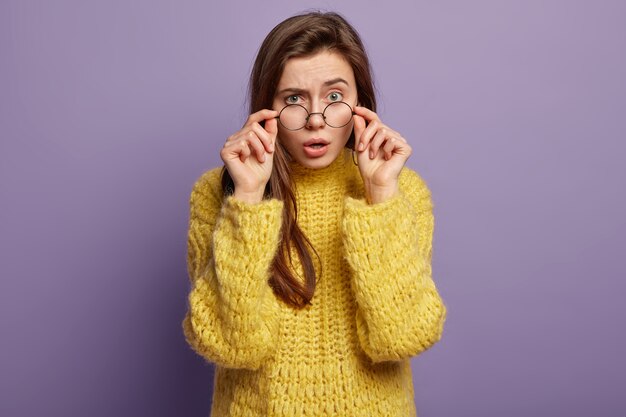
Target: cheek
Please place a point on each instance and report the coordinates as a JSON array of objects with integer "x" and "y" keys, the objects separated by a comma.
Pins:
[
  {"x": 346, "y": 131},
  {"x": 284, "y": 135}
]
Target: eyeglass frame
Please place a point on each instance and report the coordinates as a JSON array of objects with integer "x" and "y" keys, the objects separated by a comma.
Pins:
[{"x": 306, "y": 120}]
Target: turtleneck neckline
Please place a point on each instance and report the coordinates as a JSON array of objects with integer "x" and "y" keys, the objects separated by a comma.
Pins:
[{"x": 336, "y": 169}]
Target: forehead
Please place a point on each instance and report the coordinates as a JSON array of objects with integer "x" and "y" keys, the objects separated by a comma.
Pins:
[{"x": 311, "y": 71}]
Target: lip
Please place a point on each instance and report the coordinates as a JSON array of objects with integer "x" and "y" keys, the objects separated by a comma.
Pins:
[
  {"x": 315, "y": 152},
  {"x": 316, "y": 140}
]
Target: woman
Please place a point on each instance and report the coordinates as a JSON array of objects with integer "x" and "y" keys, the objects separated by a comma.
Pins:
[{"x": 310, "y": 251}]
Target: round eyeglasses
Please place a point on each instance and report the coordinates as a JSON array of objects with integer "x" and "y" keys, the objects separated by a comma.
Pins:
[{"x": 295, "y": 116}]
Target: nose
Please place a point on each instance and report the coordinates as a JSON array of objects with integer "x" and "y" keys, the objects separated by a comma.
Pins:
[{"x": 315, "y": 121}]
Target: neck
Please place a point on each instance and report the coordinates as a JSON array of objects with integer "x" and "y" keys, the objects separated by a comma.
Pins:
[{"x": 332, "y": 172}]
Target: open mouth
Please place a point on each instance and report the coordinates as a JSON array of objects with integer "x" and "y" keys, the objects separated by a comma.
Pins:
[{"x": 316, "y": 148}]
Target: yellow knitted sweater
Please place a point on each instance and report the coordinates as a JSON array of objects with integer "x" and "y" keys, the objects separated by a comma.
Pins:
[{"x": 375, "y": 304}]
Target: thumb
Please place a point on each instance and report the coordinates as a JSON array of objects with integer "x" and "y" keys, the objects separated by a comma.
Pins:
[{"x": 359, "y": 127}]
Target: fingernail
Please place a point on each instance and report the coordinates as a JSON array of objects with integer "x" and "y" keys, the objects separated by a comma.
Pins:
[
  {"x": 371, "y": 154},
  {"x": 361, "y": 146}
]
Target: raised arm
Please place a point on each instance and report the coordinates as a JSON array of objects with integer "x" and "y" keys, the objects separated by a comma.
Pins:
[
  {"x": 232, "y": 311},
  {"x": 389, "y": 248}
]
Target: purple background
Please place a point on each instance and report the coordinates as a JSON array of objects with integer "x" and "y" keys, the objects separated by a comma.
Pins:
[{"x": 110, "y": 110}]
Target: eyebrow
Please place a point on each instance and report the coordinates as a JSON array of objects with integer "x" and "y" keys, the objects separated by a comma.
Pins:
[
  {"x": 326, "y": 84},
  {"x": 335, "y": 81}
]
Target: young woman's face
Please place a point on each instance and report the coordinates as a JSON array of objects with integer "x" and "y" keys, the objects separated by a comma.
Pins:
[{"x": 314, "y": 82}]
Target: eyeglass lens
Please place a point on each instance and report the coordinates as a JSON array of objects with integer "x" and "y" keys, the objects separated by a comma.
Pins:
[{"x": 295, "y": 116}]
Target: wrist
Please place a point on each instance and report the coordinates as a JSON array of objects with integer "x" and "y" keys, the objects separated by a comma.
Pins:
[
  {"x": 375, "y": 195},
  {"x": 252, "y": 197}
]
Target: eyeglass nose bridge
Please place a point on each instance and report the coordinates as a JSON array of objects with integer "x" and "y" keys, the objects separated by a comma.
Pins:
[{"x": 311, "y": 114}]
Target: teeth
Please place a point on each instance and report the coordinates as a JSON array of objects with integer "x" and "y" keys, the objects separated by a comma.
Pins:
[{"x": 317, "y": 145}]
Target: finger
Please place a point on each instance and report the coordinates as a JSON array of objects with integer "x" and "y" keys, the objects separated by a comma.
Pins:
[
  {"x": 256, "y": 145},
  {"x": 389, "y": 147},
  {"x": 366, "y": 113},
  {"x": 377, "y": 141},
  {"x": 243, "y": 150},
  {"x": 261, "y": 115},
  {"x": 231, "y": 139},
  {"x": 232, "y": 146},
  {"x": 368, "y": 134},
  {"x": 271, "y": 126},
  {"x": 264, "y": 136},
  {"x": 399, "y": 146},
  {"x": 359, "y": 127}
]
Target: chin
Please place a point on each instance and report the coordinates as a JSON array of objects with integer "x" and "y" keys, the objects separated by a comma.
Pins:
[{"x": 317, "y": 163}]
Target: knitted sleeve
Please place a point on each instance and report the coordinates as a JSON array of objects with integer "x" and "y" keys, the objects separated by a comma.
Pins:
[
  {"x": 232, "y": 312},
  {"x": 389, "y": 249}
]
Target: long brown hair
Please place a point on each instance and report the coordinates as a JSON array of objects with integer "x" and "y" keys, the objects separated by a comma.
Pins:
[{"x": 299, "y": 36}]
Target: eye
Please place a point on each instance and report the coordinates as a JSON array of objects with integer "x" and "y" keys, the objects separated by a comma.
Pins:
[
  {"x": 335, "y": 96},
  {"x": 292, "y": 99}
]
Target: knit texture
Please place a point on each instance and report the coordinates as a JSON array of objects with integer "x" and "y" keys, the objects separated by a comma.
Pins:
[{"x": 375, "y": 303}]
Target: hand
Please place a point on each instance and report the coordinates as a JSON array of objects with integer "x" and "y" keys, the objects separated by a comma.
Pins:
[
  {"x": 248, "y": 155},
  {"x": 381, "y": 154}
]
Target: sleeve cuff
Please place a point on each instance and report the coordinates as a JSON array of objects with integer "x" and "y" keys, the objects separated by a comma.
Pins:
[
  {"x": 261, "y": 218},
  {"x": 366, "y": 222}
]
